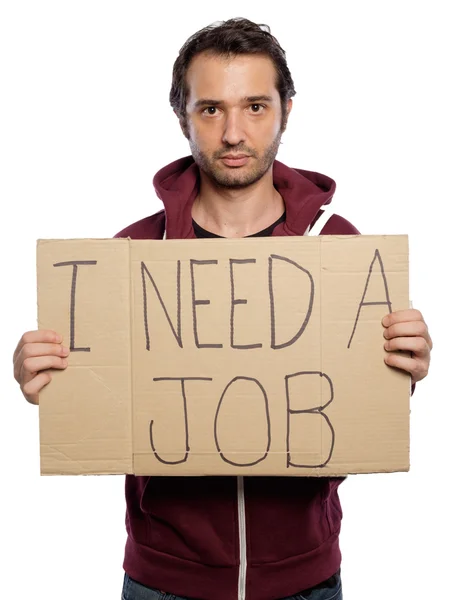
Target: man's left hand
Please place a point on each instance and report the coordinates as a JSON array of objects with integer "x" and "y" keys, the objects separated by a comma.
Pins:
[{"x": 406, "y": 331}]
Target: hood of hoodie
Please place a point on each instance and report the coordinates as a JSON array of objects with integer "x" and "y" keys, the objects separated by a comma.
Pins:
[{"x": 303, "y": 192}]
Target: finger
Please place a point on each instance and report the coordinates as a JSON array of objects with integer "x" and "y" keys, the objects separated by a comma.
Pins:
[
  {"x": 410, "y": 315},
  {"x": 37, "y": 349},
  {"x": 417, "y": 345},
  {"x": 31, "y": 366},
  {"x": 415, "y": 367},
  {"x": 32, "y": 388},
  {"x": 408, "y": 329},
  {"x": 398, "y": 316},
  {"x": 38, "y": 336}
]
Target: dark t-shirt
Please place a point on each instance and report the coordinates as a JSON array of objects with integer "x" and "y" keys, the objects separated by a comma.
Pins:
[{"x": 203, "y": 233}]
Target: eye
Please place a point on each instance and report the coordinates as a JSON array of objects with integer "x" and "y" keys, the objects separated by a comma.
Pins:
[
  {"x": 256, "y": 108},
  {"x": 210, "y": 110}
]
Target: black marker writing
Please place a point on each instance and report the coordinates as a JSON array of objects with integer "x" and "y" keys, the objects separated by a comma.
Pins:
[
  {"x": 387, "y": 301},
  {"x": 234, "y": 301},
  {"x": 317, "y": 410},
  {"x": 216, "y": 419},
  {"x": 177, "y": 333},
  {"x": 196, "y": 302},
  {"x": 273, "y": 343},
  {"x": 74, "y": 264},
  {"x": 185, "y": 409}
]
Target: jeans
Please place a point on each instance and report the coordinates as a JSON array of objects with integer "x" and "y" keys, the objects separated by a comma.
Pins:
[{"x": 132, "y": 590}]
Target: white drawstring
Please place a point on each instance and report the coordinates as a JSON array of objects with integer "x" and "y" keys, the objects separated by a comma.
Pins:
[{"x": 320, "y": 223}]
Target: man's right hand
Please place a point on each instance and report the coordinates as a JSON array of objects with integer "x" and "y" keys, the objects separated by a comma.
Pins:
[{"x": 37, "y": 352}]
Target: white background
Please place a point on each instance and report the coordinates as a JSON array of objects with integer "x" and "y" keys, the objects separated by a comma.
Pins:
[{"x": 85, "y": 122}]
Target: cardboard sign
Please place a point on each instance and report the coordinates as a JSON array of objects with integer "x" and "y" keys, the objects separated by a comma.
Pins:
[{"x": 257, "y": 356}]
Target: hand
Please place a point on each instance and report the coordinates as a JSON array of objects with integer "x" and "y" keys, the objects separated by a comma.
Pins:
[
  {"x": 405, "y": 330},
  {"x": 37, "y": 352}
]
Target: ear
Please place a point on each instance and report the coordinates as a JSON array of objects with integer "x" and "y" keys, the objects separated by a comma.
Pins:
[
  {"x": 183, "y": 125},
  {"x": 289, "y": 106},
  {"x": 286, "y": 116}
]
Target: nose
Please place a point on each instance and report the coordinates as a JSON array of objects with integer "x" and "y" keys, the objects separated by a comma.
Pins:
[{"x": 233, "y": 133}]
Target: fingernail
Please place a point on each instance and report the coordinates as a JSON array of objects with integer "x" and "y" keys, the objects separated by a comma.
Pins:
[
  {"x": 58, "y": 339},
  {"x": 64, "y": 363},
  {"x": 385, "y": 321},
  {"x": 65, "y": 351}
]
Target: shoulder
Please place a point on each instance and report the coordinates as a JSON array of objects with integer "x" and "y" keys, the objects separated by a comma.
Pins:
[
  {"x": 337, "y": 225},
  {"x": 150, "y": 228}
]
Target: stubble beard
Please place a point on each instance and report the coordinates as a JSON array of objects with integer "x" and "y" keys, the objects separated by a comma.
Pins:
[{"x": 236, "y": 177}]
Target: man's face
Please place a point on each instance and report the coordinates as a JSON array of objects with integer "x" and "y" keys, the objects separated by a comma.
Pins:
[{"x": 233, "y": 117}]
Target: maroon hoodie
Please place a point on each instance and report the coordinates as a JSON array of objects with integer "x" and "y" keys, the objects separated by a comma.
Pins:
[{"x": 233, "y": 538}]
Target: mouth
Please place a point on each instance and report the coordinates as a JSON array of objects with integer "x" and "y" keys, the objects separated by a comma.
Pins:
[{"x": 235, "y": 160}]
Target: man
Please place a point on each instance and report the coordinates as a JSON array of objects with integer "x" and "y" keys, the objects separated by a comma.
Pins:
[{"x": 224, "y": 538}]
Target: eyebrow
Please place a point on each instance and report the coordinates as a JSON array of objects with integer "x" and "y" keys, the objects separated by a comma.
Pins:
[
  {"x": 258, "y": 99},
  {"x": 249, "y": 99}
]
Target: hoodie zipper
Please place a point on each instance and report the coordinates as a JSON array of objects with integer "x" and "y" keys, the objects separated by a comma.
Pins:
[{"x": 242, "y": 539}]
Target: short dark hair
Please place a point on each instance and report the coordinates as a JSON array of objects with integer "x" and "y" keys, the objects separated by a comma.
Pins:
[{"x": 230, "y": 38}]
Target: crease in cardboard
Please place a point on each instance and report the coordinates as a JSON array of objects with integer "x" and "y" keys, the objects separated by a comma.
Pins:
[
  {"x": 57, "y": 450},
  {"x": 100, "y": 380},
  {"x": 130, "y": 357},
  {"x": 321, "y": 346}
]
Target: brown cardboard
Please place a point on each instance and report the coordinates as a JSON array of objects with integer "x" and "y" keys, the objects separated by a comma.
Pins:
[{"x": 207, "y": 357}]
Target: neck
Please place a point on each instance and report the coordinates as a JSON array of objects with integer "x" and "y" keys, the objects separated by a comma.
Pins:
[{"x": 235, "y": 213}]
